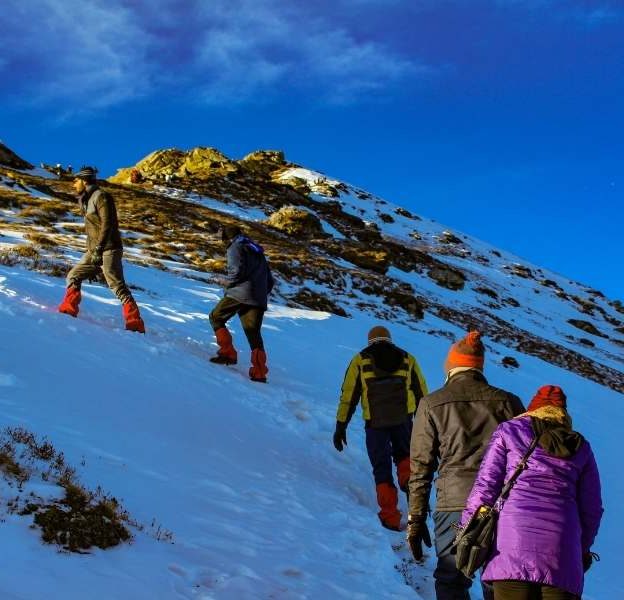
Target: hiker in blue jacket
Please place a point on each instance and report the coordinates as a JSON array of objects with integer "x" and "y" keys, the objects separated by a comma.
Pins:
[{"x": 249, "y": 282}]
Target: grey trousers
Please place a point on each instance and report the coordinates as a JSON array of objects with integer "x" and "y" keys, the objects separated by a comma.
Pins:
[
  {"x": 451, "y": 584},
  {"x": 111, "y": 268}
]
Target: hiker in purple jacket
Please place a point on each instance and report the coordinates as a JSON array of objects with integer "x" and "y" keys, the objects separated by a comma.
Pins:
[{"x": 548, "y": 523}]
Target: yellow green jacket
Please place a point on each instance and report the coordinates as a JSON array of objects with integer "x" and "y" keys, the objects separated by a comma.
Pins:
[{"x": 388, "y": 382}]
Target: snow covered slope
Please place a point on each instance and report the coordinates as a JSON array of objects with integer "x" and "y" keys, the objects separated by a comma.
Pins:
[{"x": 243, "y": 475}]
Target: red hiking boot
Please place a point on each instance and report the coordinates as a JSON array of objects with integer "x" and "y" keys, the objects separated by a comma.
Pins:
[
  {"x": 258, "y": 370},
  {"x": 387, "y": 498},
  {"x": 132, "y": 317},
  {"x": 71, "y": 302},
  {"x": 226, "y": 354}
]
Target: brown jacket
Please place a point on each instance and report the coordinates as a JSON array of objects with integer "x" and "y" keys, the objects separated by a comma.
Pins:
[
  {"x": 101, "y": 223},
  {"x": 452, "y": 428}
]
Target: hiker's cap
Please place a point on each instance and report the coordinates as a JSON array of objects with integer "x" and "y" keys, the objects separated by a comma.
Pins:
[
  {"x": 467, "y": 352},
  {"x": 379, "y": 334},
  {"x": 548, "y": 395},
  {"x": 86, "y": 173}
]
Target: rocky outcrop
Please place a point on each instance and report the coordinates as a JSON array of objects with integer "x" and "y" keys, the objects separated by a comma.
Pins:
[
  {"x": 586, "y": 326},
  {"x": 296, "y": 222},
  {"x": 306, "y": 297},
  {"x": 447, "y": 277},
  {"x": 263, "y": 163},
  {"x": 8, "y": 158},
  {"x": 173, "y": 164}
]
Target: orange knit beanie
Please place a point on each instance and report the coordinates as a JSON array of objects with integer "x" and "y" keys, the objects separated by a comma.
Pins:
[{"x": 467, "y": 352}]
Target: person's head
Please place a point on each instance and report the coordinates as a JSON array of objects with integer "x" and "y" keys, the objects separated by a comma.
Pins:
[
  {"x": 548, "y": 395},
  {"x": 229, "y": 232},
  {"x": 468, "y": 352},
  {"x": 379, "y": 334},
  {"x": 83, "y": 178}
]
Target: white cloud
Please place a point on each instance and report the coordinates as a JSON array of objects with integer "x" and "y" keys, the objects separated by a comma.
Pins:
[
  {"x": 600, "y": 16},
  {"x": 266, "y": 48},
  {"x": 95, "y": 53},
  {"x": 87, "y": 54}
]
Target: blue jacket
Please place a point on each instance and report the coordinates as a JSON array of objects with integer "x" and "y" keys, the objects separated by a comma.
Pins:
[{"x": 249, "y": 279}]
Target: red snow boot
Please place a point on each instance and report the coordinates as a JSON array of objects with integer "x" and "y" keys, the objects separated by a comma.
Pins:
[
  {"x": 226, "y": 354},
  {"x": 71, "y": 302},
  {"x": 258, "y": 370},
  {"x": 387, "y": 498},
  {"x": 132, "y": 317}
]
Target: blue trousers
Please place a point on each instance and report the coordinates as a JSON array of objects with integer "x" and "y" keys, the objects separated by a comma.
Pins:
[
  {"x": 451, "y": 584},
  {"x": 385, "y": 445}
]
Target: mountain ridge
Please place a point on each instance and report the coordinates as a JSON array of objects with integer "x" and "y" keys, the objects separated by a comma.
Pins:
[{"x": 336, "y": 246}]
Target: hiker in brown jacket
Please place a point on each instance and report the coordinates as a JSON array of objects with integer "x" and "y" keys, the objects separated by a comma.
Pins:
[{"x": 104, "y": 251}]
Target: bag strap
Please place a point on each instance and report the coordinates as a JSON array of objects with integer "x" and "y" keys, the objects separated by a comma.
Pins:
[{"x": 522, "y": 465}]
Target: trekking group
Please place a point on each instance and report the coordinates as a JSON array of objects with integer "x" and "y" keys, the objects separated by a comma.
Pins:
[
  {"x": 248, "y": 282},
  {"x": 470, "y": 435},
  {"x": 473, "y": 436}
]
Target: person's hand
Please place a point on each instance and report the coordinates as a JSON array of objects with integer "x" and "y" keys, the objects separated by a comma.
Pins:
[
  {"x": 588, "y": 559},
  {"x": 96, "y": 257},
  {"x": 417, "y": 535},
  {"x": 340, "y": 435}
]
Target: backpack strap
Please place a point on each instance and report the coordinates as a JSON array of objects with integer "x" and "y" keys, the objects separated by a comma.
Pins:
[{"x": 522, "y": 465}]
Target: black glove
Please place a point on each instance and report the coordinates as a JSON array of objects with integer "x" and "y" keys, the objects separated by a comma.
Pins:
[
  {"x": 340, "y": 435},
  {"x": 588, "y": 559},
  {"x": 96, "y": 257},
  {"x": 417, "y": 535}
]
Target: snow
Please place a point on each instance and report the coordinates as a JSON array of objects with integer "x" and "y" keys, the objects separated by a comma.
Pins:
[
  {"x": 233, "y": 207},
  {"x": 244, "y": 475}
]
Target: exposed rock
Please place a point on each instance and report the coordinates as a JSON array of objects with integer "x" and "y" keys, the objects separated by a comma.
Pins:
[
  {"x": 520, "y": 271},
  {"x": 322, "y": 187},
  {"x": 275, "y": 157},
  {"x": 296, "y": 222},
  {"x": 172, "y": 164},
  {"x": 309, "y": 299},
  {"x": 386, "y": 218},
  {"x": 586, "y": 326},
  {"x": 487, "y": 292},
  {"x": 407, "y": 301},
  {"x": 448, "y": 237},
  {"x": 447, "y": 277},
  {"x": 263, "y": 163},
  {"x": 406, "y": 213},
  {"x": 375, "y": 260},
  {"x": 549, "y": 283},
  {"x": 10, "y": 159},
  {"x": 617, "y": 304},
  {"x": 298, "y": 184},
  {"x": 585, "y": 306},
  {"x": 586, "y": 342},
  {"x": 510, "y": 362}
]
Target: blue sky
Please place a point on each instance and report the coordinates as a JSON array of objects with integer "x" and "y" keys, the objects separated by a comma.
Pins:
[{"x": 500, "y": 118}]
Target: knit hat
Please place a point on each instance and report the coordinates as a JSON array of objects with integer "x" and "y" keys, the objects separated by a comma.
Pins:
[
  {"x": 86, "y": 173},
  {"x": 467, "y": 352},
  {"x": 548, "y": 395},
  {"x": 379, "y": 334}
]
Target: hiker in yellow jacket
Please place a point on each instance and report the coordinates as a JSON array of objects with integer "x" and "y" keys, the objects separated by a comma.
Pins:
[{"x": 389, "y": 383}]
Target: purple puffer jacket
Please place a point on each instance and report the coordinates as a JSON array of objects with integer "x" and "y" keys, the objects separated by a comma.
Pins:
[{"x": 551, "y": 516}]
